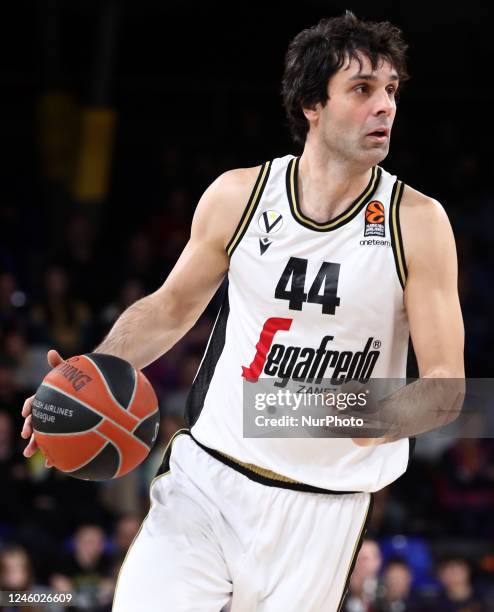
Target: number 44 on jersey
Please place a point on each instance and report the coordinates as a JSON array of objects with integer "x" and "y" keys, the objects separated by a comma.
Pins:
[{"x": 291, "y": 285}]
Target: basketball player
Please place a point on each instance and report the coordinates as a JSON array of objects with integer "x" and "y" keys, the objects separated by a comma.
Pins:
[{"x": 329, "y": 258}]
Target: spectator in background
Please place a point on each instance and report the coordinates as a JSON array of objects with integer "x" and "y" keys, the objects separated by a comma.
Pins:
[
  {"x": 87, "y": 570},
  {"x": 78, "y": 255},
  {"x": 13, "y": 472},
  {"x": 173, "y": 403},
  {"x": 458, "y": 593},
  {"x": 465, "y": 486},
  {"x": 125, "y": 531},
  {"x": 388, "y": 514},
  {"x": 197, "y": 338},
  {"x": 16, "y": 571},
  {"x": 170, "y": 226},
  {"x": 141, "y": 262},
  {"x": 28, "y": 361},
  {"x": 60, "y": 320},
  {"x": 395, "y": 593},
  {"x": 12, "y": 301},
  {"x": 17, "y": 574},
  {"x": 131, "y": 291},
  {"x": 364, "y": 579},
  {"x": 11, "y": 395}
]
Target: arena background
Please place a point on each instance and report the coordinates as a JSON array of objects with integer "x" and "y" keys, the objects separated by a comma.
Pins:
[{"x": 115, "y": 116}]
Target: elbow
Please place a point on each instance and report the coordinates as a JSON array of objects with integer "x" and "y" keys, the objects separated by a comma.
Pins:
[
  {"x": 368, "y": 441},
  {"x": 173, "y": 312},
  {"x": 451, "y": 381},
  {"x": 452, "y": 390},
  {"x": 456, "y": 373},
  {"x": 456, "y": 405}
]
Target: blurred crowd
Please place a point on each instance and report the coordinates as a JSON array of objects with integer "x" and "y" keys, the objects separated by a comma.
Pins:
[{"x": 411, "y": 582}]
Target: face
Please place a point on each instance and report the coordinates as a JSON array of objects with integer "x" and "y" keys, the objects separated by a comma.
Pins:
[
  {"x": 360, "y": 102},
  {"x": 454, "y": 574},
  {"x": 15, "y": 571},
  {"x": 397, "y": 580},
  {"x": 89, "y": 542},
  {"x": 369, "y": 559},
  {"x": 127, "y": 529}
]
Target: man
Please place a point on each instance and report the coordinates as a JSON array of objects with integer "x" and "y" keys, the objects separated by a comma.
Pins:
[
  {"x": 331, "y": 261},
  {"x": 362, "y": 587},
  {"x": 396, "y": 592}
]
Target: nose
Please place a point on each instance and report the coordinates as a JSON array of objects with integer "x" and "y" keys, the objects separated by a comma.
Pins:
[{"x": 384, "y": 103}]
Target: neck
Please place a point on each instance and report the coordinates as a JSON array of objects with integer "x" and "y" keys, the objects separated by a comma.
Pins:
[{"x": 328, "y": 185}]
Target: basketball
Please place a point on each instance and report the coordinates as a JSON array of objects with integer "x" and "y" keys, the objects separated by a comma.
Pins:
[{"x": 95, "y": 417}]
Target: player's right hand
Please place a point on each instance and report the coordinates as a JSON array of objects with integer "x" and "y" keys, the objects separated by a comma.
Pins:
[{"x": 54, "y": 359}]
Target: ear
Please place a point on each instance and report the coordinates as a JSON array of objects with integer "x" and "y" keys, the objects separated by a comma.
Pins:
[{"x": 312, "y": 112}]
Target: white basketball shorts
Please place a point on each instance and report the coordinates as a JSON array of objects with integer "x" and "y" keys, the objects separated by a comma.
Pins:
[{"x": 214, "y": 538}]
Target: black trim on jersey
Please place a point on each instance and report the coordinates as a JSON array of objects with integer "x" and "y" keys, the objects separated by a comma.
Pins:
[
  {"x": 255, "y": 198},
  {"x": 200, "y": 386},
  {"x": 395, "y": 232},
  {"x": 411, "y": 449},
  {"x": 164, "y": 467},
  {"x": 270, "y": 482},
  {"x": 358, "y": 546},
  {"x": 347, "y": 215}
]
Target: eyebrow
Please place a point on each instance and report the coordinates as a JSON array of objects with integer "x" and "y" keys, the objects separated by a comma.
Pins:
[{"x": 371, "y": 77}]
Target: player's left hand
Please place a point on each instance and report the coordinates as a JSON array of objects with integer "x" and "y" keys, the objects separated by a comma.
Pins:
[{"x": 54, "y": 359}]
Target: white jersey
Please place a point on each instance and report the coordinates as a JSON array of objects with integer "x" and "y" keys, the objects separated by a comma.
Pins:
[{"x": 307, "y": 299}]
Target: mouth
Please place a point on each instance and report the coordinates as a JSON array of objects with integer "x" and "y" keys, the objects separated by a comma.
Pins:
[{"x": 381, "y": 135}]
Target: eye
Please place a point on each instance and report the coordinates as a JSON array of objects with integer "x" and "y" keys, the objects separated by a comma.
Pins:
[
  {"x": 363, "y": 87},
  {"x": 392, "y": 90}
]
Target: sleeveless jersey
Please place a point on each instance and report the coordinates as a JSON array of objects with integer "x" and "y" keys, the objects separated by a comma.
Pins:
[{"x": 313, "y": 289}]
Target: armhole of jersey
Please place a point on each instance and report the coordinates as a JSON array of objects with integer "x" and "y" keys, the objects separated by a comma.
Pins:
[
  {"x": 255, "y": 197},
  {"x": 395, "y": 232}
]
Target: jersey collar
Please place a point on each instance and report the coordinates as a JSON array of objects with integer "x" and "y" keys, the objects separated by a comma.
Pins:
[{"x": 346, "y": 216}]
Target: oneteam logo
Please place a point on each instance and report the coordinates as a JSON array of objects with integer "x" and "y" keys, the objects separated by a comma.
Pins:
[{"x": 269, "y": 222}]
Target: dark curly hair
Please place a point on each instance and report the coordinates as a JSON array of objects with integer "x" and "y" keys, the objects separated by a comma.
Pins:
[{"x": 317, "y": 53}]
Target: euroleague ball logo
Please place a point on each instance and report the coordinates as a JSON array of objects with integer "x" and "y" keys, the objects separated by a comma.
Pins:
[{"x": 374, "y": 219}]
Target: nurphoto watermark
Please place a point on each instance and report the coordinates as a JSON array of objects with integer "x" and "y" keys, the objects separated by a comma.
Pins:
[{"x": 375, "y": 408}]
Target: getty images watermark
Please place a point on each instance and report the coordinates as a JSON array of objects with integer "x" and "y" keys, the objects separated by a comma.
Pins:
[
  {"x": 276, "y": 408},
  {"x": 285, "y": 400}
]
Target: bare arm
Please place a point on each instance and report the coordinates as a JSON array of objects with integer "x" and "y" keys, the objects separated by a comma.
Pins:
[
  {"x": 431, "y": 292},
  {"x": 436, "y": 325},
  {"x": 151, "y": 326}
]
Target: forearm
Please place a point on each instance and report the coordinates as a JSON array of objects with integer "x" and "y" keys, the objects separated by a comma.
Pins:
[
  {"x": 145, "y": 331},
  {"x": 426, "y": 404}
]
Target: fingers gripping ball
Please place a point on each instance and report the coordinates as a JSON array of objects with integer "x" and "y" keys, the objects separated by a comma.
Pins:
[{"x": 95, "y": 417}]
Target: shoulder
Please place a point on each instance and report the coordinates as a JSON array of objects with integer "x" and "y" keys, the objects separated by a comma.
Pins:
[
  {"x": 237, "y": 180},
  {"x": 221, "y": 206},
  {"x": 417, "y": 205},
  {"x": 424, "y": 224},
  {"x": 232, "y": 186}
]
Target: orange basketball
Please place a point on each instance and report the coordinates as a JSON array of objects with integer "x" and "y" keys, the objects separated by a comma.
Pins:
[
  {"x": 95, "y": 417},
  {"x": 374, "y": 212}
]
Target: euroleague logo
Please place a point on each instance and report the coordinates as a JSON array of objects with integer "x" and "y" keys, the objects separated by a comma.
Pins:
[{"x": 374, "y": 219}]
